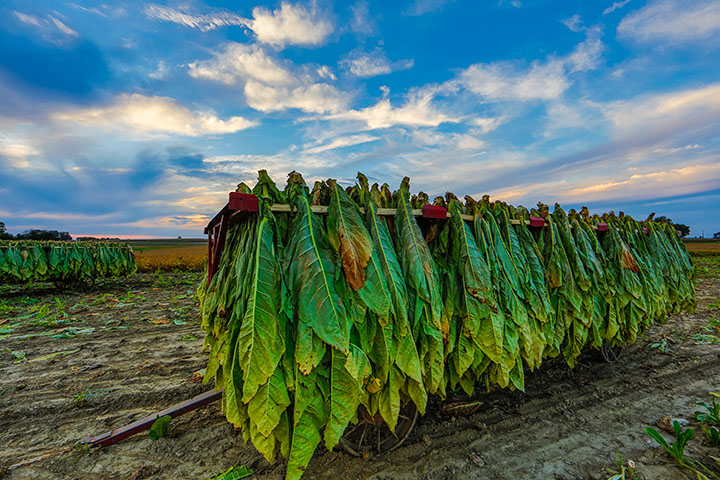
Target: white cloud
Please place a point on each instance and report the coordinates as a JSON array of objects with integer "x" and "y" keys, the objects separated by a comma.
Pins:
[
  {"x": 469, "y": 142},
  {"x": 547, "y": 80},
  {"x": 238, "y": 62},
  {"x": 488, "y": 124},
  {"x": 312, "y": 98},
  {"x": 507, "y": 81},
  {"x": 691, "y": 105},
  {"x": 417, "y": 111},
  {"x": 421, "y": 7},
  {"x": 373, "y": 64},
  {"x": 16, "y": 152},
  {"x": 270, "y": 85},
  {"x": 362, "y": 21},
  {"x": 586, "y": 55},
  {"x": 63, "y": 28},
  {"x": 291, "y": 24},
  {"x": 671, "y": 22},
  {"x": 51, "y": 28},
  {"x": 450, "y": 143},
  {"x": 203, "y": 22},
  {"x": 574, "y": 23},
  {"x": 325, "y": 72},
  {"x": 154, "y": 115},
  {"x": 341, "y": 142},
  {"x": 615, "y": 6},
  {"x": 160, "y": 72},
  {"x": 673, "y": 181}
]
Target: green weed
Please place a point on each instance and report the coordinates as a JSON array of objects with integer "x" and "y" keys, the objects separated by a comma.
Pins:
[
  {"x": 82, "y": 397},
  {"x": 662, "y": 346},
  {"x": 677, "y": 450},
  {"x": 18, "y": 356},
  {"x": 623, "y": 471},
  {"x": 711, "y": 413},
  {"x": 160, "y": 427}
]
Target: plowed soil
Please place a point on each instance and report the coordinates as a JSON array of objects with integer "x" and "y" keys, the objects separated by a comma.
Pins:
[{"x": 106, "y": 364}]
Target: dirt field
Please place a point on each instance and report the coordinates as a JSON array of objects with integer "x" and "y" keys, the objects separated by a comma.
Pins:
[{"x": 90, "y": 362}]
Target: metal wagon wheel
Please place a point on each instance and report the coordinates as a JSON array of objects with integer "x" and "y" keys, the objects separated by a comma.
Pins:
[
  {"x": 371, "y": 435},
  {"x": 610, "y": 354}
]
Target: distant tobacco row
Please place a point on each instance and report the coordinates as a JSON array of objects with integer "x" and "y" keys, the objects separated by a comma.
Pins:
[
  {"x": 310, "y": 316},
  {"x": 54, "y": 261}
]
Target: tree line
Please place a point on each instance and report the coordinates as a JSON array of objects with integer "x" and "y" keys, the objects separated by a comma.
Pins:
[{"x": 35, "y": 234}]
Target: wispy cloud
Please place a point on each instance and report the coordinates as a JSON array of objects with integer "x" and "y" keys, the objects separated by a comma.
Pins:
[
  {"x": 669, "y": 22},
  {"x": 673, "y": 181},
  {"x": 160, "y": 72},
  {"x": 418, "y": 111},
  {"x": 50, "y": 27},
  {"x": 365, "y": 65},
  {"x": 16, "y": 153},
  {"x": 488, "y": 124},
  {"x": 288, "y": 25},
  {"x": 615, "y": 6},
  {"x": 505, "y": 80},
  {"x": 341, "y": 142},
  {"x": 674, "y": 109},
  {"x": 362, "y": 20},
  {"x": 421, "y": 7},
  {"x": 153, "y": 115},
  {"x": 573, "y": 23},
  {"x": 203, "y": 22}
]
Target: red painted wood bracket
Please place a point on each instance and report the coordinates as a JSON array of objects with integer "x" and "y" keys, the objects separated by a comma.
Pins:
[
  {"x": 243, "y": 202},
  {"x": 434, "y": 211},
  {"x": 537, "y": 222}
]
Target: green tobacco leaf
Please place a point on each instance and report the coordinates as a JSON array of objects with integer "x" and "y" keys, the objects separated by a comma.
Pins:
[
  {"x": 491, "y": 336},
  {"x": 477, "y": 294},
  {"x": 415, "y": 257},
  {"x": 261, "y": 339},
  {"x": 309, "y": 416},
  {"x": 311, "y": 276},
  {"x": 346, "y": 379},
  {"x": 233, "y": 473},
  {"x": 390, "y": 266},
  {"x": 269, "y": 403}
]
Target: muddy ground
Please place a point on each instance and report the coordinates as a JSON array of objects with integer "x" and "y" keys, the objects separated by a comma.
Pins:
[{"x": 93, "y": 361}]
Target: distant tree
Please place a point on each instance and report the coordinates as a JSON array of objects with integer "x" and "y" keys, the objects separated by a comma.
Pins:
[
  {"x": 716, "y": 235},
  {"x": 680, "y": 227},
  {"x": 43, "y": 235},
  {"x": 3, "y": 232}
]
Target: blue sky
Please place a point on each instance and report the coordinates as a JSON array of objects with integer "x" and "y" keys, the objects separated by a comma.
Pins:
[{"x": 131, "y": 118}]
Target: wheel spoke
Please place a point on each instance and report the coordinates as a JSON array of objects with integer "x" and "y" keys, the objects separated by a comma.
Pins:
[
  {"x": 362, "y": 437},
  {"x": 352, "y": 429}
]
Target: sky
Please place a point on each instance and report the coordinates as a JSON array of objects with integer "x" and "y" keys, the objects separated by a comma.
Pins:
[{"x": 136, "y": 119}]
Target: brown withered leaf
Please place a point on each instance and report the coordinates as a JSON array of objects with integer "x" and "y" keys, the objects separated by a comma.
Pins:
[
  {"x": 464, "y": 409},
  {"x": 348, "y": 235}
]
